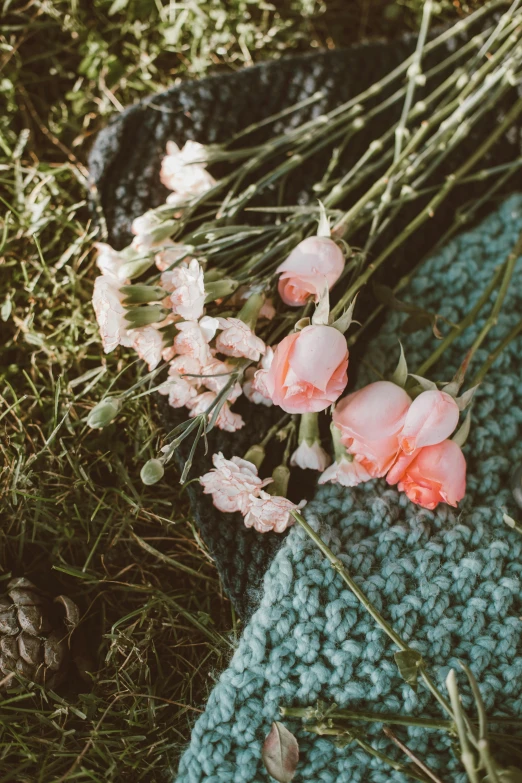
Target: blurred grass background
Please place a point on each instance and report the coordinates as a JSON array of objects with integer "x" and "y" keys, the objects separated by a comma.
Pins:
[{"x": 74, "y": 515}]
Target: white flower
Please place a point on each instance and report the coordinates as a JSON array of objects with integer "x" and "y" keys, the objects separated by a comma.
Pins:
[
  {"x": 226, "y": 419},
  {"x": 191, "y": 340},
  {"x": 171, "y": 252},
  {"x": 209, "y": 327},
  {"x": 238, "y": 340},
  {"x": 110, "y": 313},
  {"x": 313, "y": 457},
  {"x": 270, "y": 512},
  {"x": 216, "y": 375},
  {"x": 179, "y": 390},
  {"x": 254, "y": 387},
  {"x": 185, "y": 282},
  {"x": 148, "y": 343},
  {"x": 348, "y": 473},
  {"x": 109, "y": 262},
  {"x": 231, "y": 483},
  {"x": 184, "y": 171}
]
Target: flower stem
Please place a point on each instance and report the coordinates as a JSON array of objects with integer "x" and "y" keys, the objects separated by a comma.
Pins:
[{"x": 431, "y": 207}]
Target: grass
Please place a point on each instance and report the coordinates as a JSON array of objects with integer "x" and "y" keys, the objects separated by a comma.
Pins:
[{"x": 75, "y": 518}]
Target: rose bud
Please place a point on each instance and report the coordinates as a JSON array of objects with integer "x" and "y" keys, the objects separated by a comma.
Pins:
[
  {"x": 371, "y": 421},
  {"x": 432, "y": 417},
  {"x": 314, "y": 262},
  {"x": 435, "y": 474},
  {"x": 309, "y": 370}
]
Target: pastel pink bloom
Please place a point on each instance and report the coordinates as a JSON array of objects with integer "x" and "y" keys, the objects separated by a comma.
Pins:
[
  {"x": 184, "y": 171},
  {"x": 238, "y": 340},
  {"x": 231, "y": 483},
  {"x": 311, "y": 457},
  {"x": 192, "y": 341},
  {"x": 370, "y": 421},
  {"x": 345, "y": 472},
  {"x": 110, "y": 313},
  {"x": 186, "y": 365},
  {"x": 314, "y": 263},
  {"x": 185, "y": 282},
  {"x": 435, "y": 474},
  {"x": 148, "y": 343},
  {"x": 142, "y": 228},
  {"x": 226, "y": 420},
  {"x": 270, "y": 512},
  {"x": 215, "y": 376},
  {"x": 309, "y": 370},
  {"x": 179, "y": 390},
  {"x": 171, "y": 253},
  {"x": 432, "y": 417},
  {"x": 109, "y": 262},
  {"x": 254, "y": 386}
]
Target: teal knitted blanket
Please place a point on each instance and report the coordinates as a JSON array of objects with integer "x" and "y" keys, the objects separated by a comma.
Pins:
[{"x": 448, "y": 580}]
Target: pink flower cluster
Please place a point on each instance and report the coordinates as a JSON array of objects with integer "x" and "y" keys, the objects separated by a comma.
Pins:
[
  {"x": 235, "y": 486},
  {"x": 385, "y": 433}
]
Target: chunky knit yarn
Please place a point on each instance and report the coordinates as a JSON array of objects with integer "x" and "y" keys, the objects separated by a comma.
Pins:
[
  {"x": 448, "y": 580},
  {"x": 124, "y": 166}
]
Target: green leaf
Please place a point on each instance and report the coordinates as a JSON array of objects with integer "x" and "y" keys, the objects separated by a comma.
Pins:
[
  {"x": 409, "y": 663},
  {"x": 280, "y": 753},
  {"x": 400, "y": 376}
]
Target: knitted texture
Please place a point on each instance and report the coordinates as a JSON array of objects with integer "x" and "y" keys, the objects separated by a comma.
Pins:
[
  {"x": 449, "y": 581},
  {"x": 124, "y": 166}
]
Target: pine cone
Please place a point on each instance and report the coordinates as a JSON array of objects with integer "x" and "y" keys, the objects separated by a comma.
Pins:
[{"x": 34, "y": 634}]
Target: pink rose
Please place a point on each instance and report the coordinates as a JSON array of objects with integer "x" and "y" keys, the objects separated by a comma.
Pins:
[
  {"x": 309, "y": 370},
  {"x": 231, "y": 483},
  {"x": 184, "y": 171},
  {"x": 185, "y": 282},
  {"x": 348, "y": 473},
  {"x": 432, "y": 417},
  {"x": 270, "y": 512},
  {"x": 370, "y": 421},
  {"x": 315, "y": 262},
  {"x": 238, "y": 340},
  {"x": 434, "y": 474},
  {"x": 110, "y": 313},
  {"x": 148, "y": 343}
]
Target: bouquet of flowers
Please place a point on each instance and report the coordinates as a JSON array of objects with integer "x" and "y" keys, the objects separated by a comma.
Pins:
[{"x": 219, "y": 308}]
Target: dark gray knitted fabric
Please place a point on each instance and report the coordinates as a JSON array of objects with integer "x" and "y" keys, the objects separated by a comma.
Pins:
[{"x": 124, "y": 166}]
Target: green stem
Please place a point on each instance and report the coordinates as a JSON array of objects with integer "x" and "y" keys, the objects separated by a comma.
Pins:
[
  {"x": 354, "y": 587},
  {"x": 430, "y": 209},
  {"x": 493, "y": 356},
  {"x": 372, "y": 717}
]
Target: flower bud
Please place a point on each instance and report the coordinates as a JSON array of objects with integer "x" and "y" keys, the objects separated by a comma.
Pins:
[
  {"x": 144, "y": 316},
  {"x": 103, "y": 413},
  {"x": 281, "y": 477},
  {"x": 141, "y": 294},
  {"x": 152, "y": 472},
  {"x": 255, "y": 455}
]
